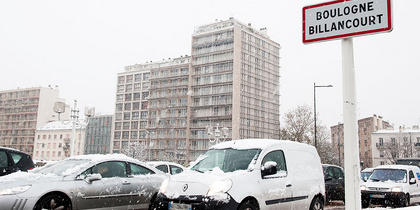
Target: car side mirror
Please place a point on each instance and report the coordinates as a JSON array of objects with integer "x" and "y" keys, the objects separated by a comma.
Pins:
[
  {"x": 269, "y": 168},
  {"x": 412, "y": 181},
  {"x": 92, "y": 177}
]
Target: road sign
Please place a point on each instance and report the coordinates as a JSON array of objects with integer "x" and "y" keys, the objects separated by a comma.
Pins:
[{"x": 345, "y": 18}]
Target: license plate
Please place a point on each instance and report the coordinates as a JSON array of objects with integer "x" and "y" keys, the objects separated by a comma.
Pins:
[
  {"x": 377, "y": 196},
  {"x": 179, "y": 206}
]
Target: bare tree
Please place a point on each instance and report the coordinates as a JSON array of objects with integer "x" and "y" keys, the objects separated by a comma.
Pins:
[
  {"x": 397, "y": 148},
  {"x": 135, "y": 149},
  {"x": 299, "y": 126}
]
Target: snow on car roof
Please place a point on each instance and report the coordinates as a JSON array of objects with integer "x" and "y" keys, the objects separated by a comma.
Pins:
[
  {"x": 258, "y": 144},
  {"x": 396, "y": 167},
  {"x": 102, "y": 157}
]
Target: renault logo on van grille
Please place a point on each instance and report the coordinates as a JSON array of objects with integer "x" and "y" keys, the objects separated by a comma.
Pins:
[{"x": 185, "y": 187}]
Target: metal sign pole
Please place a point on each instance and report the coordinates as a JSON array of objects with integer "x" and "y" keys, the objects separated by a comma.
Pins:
[{"x": 351, "y": 140}]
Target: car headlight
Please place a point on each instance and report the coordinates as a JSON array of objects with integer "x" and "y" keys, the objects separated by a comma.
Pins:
[
  {"x": 397, "y": 189},
  {"x": 220, "y": 186},
  {"x": 14, "y": 190},
  {"x": 362, "y": 187},
  {"x": 164, "y": 186}
]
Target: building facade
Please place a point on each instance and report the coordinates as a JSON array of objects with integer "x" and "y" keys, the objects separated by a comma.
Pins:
[
  {"x": 22, "y": 111},
  {"x": 388, "y": 145},
  {"x": 230, "y": 81},
  {"x": 53, "y": 140},
  {"x": 366, "y": 127},
  {"x": 98, "y": 135}
]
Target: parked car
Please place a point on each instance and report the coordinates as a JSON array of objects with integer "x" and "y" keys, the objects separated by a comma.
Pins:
[
  {"x": 168, "y": 167},
  {"x": 83, "y": 182},
  {"x": 392, "y": 185},
  {"x": 248, "y": 174},
  {"x": 365, "y": 174},
  {"x": 334, "y": 182},
  {"x": 12, "y": 160}
]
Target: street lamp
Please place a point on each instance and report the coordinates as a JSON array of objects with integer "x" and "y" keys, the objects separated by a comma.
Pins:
[
  {"x": 214, "y": 136},
  {"x": 315, "y": 86}
]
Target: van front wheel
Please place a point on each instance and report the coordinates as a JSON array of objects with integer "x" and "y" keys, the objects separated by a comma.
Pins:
[{"x": 317, "y": 204}]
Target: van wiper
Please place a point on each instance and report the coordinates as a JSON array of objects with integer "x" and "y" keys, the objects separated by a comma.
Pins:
[
  {"x": 375, "y": 180},
  {"x": 197, "y": 170}
]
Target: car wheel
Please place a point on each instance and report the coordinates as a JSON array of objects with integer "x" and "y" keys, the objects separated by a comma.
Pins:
[
  {"x": 405, "y": 201},
  {"x": 54, "y": 202},
  {"x": 248, "y": 206},
  {"x": 365, "y": 203},
  {"x": 317, "y": 204}
]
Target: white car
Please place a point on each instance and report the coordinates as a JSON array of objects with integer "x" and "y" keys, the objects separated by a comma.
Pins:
[
  {"x": 392, "y": 185},
  {"x": 168, "y": 167},
  {"x": 248, "y": 175}
]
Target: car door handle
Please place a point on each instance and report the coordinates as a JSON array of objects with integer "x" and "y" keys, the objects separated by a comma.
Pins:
[
  {"x": 126, "y": 183},
  {"x": 288, "y": 185}
]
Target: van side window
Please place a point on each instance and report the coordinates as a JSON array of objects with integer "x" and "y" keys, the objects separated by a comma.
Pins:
[
  {"x": 338, "y": 173},
  {"x": 411, "y": 175},
  {"x": 278, "y": 157}
]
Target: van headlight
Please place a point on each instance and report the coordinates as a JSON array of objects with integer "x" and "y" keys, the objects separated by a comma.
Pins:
[
  {"x": 220, "y": 186},
  {"x": 362, "y": 187},
  {"x": 164, "y": 186},
  {"x": 397, "y": 189},
  {"x": 14, "y": 190}
]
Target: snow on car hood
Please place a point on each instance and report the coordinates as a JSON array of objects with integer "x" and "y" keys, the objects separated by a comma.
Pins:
[
  {"x": 26, "y": 178},
  {"x": 192, "y": 183}
]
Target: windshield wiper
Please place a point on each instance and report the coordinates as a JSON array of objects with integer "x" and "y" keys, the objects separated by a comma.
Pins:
[
  {"x": 197, "y": 170},
  {"x": 375, "y": 180}
]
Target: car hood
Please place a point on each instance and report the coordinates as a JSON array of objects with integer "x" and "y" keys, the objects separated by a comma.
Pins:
[
  {"x": 26, "y": 178},
  {"x": 193, "y": 183}
]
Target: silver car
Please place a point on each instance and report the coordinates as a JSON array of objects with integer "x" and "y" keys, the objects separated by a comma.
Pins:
[{"x": 83, "y": 182}]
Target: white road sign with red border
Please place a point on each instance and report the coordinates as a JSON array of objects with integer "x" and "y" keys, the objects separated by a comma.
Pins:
[{"x": 345, "y": 18}]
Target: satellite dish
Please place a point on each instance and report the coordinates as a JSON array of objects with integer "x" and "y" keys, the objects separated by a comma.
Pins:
[
  {"x": 59, "y": 107},
  {"x": 89, "y": 111}
]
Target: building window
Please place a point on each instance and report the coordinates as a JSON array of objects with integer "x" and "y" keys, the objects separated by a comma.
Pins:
[{"x": 381, "y": 141}]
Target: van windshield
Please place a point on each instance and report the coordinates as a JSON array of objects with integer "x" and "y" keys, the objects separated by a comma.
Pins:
[
  {"x": 228, "y": 160},
  {"x": 396, "y": 175}
]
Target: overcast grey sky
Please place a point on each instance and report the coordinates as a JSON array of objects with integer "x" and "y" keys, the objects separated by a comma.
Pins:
[{"x": 82, "y": 45}]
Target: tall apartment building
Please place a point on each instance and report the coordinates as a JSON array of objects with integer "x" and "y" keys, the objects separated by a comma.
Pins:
[
  {"x": 231, "y": 80},
  {"x": 22, "y": 111},
  {"x": 366, "y": 127},
  {"x": 98, "y": 135}
]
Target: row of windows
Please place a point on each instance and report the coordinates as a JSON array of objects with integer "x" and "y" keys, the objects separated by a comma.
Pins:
[
  {"x": 213, "y": 58},
  {"x": 136, "y": 86},
  {"x": 20, "y": 94},
  {"x": 198, "y": 40},
  {"x": 132, "y": 96},
  {"x": 211, "y": 79},
  {"x": 133, "y": 78},
  {"x": 131, "y": 106},
  {"x": 217, "y": 89},
  {"x": 166, "y": 133},
  {"x": 213, "y": 111},
  {"x": 169, "y": 72},
  {"x": 213, "y": 100},
  {"x": 169, "y": 93},
  {"x": 213, "y": 68},
  {"x": 213, "y": 47}
]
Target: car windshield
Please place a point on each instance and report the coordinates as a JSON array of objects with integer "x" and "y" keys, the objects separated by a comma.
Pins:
[
  {"x": 228, "y": 160},
  {"x": 62, "y": 167},
  {"x": 396, "y": 175}
]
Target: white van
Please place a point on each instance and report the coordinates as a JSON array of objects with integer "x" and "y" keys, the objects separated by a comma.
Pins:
[
  {"x": 249, "y": 174},
  {"x": 393, "y": 185}
]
